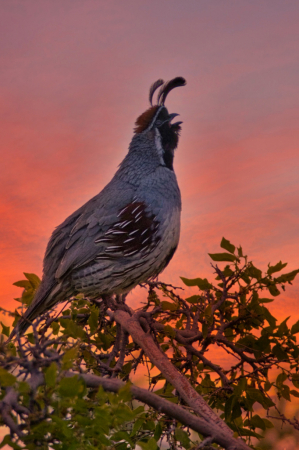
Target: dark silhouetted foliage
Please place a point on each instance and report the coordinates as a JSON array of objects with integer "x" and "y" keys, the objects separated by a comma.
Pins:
[{"x": 66, "y": 384}]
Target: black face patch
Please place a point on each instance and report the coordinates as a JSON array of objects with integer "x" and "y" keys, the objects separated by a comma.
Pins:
[{"x": 169, "y": 137}]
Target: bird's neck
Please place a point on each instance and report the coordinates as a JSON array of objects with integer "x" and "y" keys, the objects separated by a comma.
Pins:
[{"x": 141, "y": 160}]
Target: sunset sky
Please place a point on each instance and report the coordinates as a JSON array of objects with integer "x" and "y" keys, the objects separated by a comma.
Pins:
[{"x": 74, "y": 76}]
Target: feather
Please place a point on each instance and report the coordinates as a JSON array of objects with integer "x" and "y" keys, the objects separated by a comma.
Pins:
[
  {"x": 134, "y": 233},
  {"x": 153, "y": 88},
  {"x": 168, "y": 86},
  {"x": 144, "y": 121}
]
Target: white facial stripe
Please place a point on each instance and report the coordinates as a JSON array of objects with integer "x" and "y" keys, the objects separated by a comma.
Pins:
[
  {"x": 155, "y": 117},
  {"x": 158, "y": 143}
]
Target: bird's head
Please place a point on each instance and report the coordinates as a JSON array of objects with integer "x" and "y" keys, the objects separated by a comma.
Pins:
[{"x": 157, "y": 122}]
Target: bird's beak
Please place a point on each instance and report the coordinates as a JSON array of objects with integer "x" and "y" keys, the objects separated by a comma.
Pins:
[{"x": 172, "y": 116}]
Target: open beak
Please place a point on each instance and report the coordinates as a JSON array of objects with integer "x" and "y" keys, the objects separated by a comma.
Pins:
[{"x": 172, "y": 116}]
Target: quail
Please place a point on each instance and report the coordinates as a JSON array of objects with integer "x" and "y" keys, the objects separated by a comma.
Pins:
[{"x": 128, "y": 233}]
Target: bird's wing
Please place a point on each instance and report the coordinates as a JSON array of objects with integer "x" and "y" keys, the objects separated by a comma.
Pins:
[
  {"x": 102, "y": 230},
  {"x": 134, "y": 232},
  {"x": 72, "y": 242}
]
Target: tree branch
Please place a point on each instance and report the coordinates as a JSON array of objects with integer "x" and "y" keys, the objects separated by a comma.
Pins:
[
  {"x": 172, "y": 375},
  {"x": 208, "y": 429}
]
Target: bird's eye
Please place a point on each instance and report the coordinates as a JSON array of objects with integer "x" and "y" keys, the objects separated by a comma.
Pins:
[{"x": 159, "y": 122}]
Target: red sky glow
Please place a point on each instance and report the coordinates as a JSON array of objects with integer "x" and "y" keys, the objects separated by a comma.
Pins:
[{"x": 75, "y": 76}]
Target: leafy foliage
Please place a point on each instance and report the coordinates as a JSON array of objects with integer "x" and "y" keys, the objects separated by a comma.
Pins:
[{"x": 52, "y": 405}]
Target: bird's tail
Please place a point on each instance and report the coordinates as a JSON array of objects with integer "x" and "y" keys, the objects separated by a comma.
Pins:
[{"x": 45, "y": 298}]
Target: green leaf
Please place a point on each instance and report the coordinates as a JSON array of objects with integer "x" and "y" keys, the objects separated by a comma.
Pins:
[
  {"x": 25, "y": 284},
  {"x": 68, "y": 358},
  {"x": 33, "y": 279},
  {"x": 245, "y": 432},
  {"x": 281, "y": 378},
  {"x": 279, "y": 353},
  {"x": 67, "y": 432},
  {"x": 205, "y": 329},
  {"x": 158, "y": 432},
  {"x": 50, "y": 375},
  {"x": 266, "y": 300},
  {"x": 295, "y": 380},
  {"x": 245, "y": 277},
  {"x": 240, "y": 252},
  {"x": 285, "y": 392},
  {"x": 267, "y": 386},
  {"x": 70, "y": 387},
  {"x": 247, "y": 342},
  {"x": 268, "y": 424},
  {"x": 122, "y": 435},
  {"x": 5, "y": 329},
  {"x": 287, "y": 277},
  {"x": 137, "y": 426},
  {"x": 273, "y": 290},
  {"x": 202, "y": 283},
  {"x": 229, "y": 404},
  {"x": 222, "y": 257},
  {"x": 93, "y": 320},
  {"x": 226, "y": 272},
  {"x": 121, "y": 446},
  {"x": 241, "y": 387},
  {"x": 295, "y": 351},
  {"x": 268, "y": 316},
  {"x": 55, "y": 327},
  {"x": 169, "y": 331},
  {"x": 257, "y": 396},
  {"x": 227, "y": 245},
  {"x": 7, "y": 441},
  {"x": 149, "y": 425},
  {"x": 257, "y": 422},
  {"x": 295, "y": 328},
  {"x": 229, "y": 334},
  {"x": 72, "y": 329},
  {"x": 277, "y": 268},
  {"x": 105, "y": 339},
  {"x": 124, "y": 392},
  {"x": 23, "y": 387},
  {"x": 263, "y": 344},
  {"x": 254, "y": 272},
  {"x": 193, "y": 299},
  {"x": 236, "y": 411},
  {"x": 208, "y": 311},
  {"x": 167, "y": 306},
  {"x": 182, "y": 437},
  {"x": 294, "y": 393},
  {"x": 6, "y": 378},
  {"x": 149, "y": 445},
  {"x": 283, "y": 328}
]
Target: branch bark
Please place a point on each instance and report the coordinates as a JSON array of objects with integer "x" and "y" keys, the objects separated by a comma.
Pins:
[{"x": 173, "y": 376}]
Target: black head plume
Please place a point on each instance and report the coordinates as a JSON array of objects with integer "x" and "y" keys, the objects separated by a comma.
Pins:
[
  {"x": 153, "y": 89},
  {"x": 145, "y": 120},
  {"x": 168, "y": 86}
]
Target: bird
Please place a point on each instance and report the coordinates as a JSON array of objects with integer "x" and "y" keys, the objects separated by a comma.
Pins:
[{"x": 128, "y": 233}]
